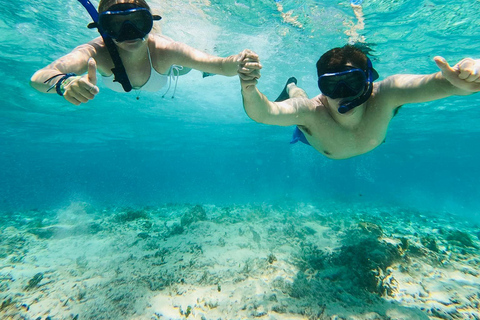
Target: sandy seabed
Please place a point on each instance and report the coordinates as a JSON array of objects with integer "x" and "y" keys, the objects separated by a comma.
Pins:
[{"x": 207, "y": 262}]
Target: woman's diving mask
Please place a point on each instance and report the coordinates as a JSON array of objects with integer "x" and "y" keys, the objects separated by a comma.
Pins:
[{"x": 124, "y": 25}]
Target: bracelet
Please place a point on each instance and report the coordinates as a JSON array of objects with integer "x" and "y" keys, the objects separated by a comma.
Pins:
[{"x": 58, "y": 86}]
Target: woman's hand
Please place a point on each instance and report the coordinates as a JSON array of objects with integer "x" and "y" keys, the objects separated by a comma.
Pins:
[
  {"x": 81, "y": 89},
  {"x": 249, "y": 68}
]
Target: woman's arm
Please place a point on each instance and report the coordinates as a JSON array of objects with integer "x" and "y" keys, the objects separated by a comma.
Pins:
[
  {"x": 74, "y": 62},
  {"x": 184, "y": 55},
  {"x": 65, "y": 75}
]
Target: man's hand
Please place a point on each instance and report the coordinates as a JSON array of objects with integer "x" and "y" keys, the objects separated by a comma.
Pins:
[
  {"x": 249, "y": 69},
  {"x": 81, "y": 89},
  {"x": 464, "y": 75}
]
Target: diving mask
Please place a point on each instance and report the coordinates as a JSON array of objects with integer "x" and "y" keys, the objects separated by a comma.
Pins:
[
  {"x": 131, "y": 24},
  {"x": 343, "y": 84},
  {"x": 354, "y": 83}
]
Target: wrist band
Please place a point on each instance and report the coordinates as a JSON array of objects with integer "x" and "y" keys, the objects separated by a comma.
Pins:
[{"x": 58, "y": 86}]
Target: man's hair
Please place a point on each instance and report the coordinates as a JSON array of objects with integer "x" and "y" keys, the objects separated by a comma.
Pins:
[
  {"x": 336, "y": 59},
  {"x": 104, "y": 5}
]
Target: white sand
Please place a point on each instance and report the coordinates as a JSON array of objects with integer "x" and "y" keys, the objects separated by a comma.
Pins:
[{"x": 238, "y": 262}]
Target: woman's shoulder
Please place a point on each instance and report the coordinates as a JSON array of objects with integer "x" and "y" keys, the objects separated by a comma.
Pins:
[
  {"x": 96, "y": 45},
  {"x": 95, "y": 48},
  {"x": 168, "y": 44},
  {"x": 161, "y": 41},
  {"x": 99, "y": 51}
]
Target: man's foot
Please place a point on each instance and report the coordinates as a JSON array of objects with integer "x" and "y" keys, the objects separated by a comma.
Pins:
[
  {"x": 284, "y": 95},
  {"x": 207, "y": 74}
]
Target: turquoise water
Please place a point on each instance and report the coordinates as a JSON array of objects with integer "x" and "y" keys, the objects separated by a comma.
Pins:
[
  {"x": 200, "y": 147},
  {"x": 184, "y": 208}
]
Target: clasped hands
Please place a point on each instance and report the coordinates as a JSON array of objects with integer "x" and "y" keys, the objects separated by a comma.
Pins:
[{"x": 248, "y": 68}]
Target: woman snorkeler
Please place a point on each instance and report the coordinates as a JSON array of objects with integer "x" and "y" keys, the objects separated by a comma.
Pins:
[{"x": 147, "y": 60}]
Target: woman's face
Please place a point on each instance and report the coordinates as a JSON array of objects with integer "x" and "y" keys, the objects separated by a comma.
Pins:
[{"x": 131, "y": 45}]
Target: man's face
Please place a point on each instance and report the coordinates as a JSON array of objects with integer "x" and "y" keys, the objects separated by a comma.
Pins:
[{"x": 346, "y": 84}]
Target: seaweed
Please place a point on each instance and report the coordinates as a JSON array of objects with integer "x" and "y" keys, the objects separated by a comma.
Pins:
[
  {"x": 33, "y": 283},
  {"x": 197, "y": 213},
  {"x": 461, "y": 239},
  {"x": 176, "y": 229},
  {"x": 5, "y": 303},
  {"x": 271, "y": 258},
  {"x": 363, "y": 260},
  {"x": 312, "y": 257},
  {"x": 130, "y": 214},
  {"x": 367, "y": 262},
  {"x": 430, "y": 243}
]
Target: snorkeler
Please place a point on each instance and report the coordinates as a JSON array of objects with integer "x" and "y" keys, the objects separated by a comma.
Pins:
[
  {"x": 127, "y": 55},
  {"x": 351, "y": 115}
]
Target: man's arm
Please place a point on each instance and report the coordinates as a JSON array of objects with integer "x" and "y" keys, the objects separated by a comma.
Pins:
[
  {"x": 285, "y": 113},
  {"x": 257, "y": 106},
  {"x": 461, "y": 79}
]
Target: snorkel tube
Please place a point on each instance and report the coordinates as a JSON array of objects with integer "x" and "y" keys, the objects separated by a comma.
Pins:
[
  {"x": 345, "y": 107},
  {"x": 91, "y": 10},
  {"x": 120, "y": 75},
  {"x": 349, "y": 105}
]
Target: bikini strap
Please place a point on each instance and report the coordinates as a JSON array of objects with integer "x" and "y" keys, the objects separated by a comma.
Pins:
[{"x": 173, "y": 77}]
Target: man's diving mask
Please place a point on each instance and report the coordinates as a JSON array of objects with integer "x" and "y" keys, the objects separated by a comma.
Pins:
[
  {"x": 123, "y": 25},
  {"x": 343, "y": 84},
  {"x": 353, "y": 83}
]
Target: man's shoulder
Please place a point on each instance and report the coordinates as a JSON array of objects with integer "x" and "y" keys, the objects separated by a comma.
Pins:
[
  {"x": 382, "y": 102},
  {"x": 316, "y": 104},
  {"x": 302, "y": 104}
]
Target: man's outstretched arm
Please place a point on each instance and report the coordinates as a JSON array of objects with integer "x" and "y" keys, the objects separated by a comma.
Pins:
[
  {"x": 260, "y": 109},
  {"x": 461, "y": 79}
]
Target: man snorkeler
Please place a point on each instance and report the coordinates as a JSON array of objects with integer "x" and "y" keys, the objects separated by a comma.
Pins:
[{"x": 351, "y": 115}]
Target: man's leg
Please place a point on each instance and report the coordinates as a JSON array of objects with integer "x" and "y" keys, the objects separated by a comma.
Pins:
[
  {"x": 296, "y": 92},
  {"x": 291, "y": 91}
]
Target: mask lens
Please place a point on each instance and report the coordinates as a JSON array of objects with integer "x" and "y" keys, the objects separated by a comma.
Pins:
[
  {"x": 342, "y": 84},
  {"x": 127, "y": 24}
]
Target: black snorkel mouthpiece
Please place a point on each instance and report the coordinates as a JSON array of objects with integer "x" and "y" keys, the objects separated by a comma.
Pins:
[
  {"x": 344, "y": 108},
  {"x": 120, "y": 75}
]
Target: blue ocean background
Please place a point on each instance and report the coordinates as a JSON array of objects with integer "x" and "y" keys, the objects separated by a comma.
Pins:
[{"x": 200, "y": 147}]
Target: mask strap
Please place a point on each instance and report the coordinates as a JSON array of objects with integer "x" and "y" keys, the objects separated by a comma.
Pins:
[{"x": 120, "y": 75}]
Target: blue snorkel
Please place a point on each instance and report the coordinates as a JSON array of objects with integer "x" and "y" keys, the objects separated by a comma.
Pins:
[
  {"x": 91, "y": 10},
  {"x": 349, "y": 105},
  {"x": 120, "y": 75}
]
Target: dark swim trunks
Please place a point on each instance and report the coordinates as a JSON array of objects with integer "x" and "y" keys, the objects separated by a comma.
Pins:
[{"x": 298, "y": 135}]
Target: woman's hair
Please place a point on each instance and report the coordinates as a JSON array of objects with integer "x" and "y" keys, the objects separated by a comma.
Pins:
[
  {"x": 104, "y": 5},
  {"x": 336, "y": 59}
]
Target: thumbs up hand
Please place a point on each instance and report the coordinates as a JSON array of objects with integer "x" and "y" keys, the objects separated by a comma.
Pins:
[
  {"x": 464, "y": 75},
  {"x": 81, "y": 89}
]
